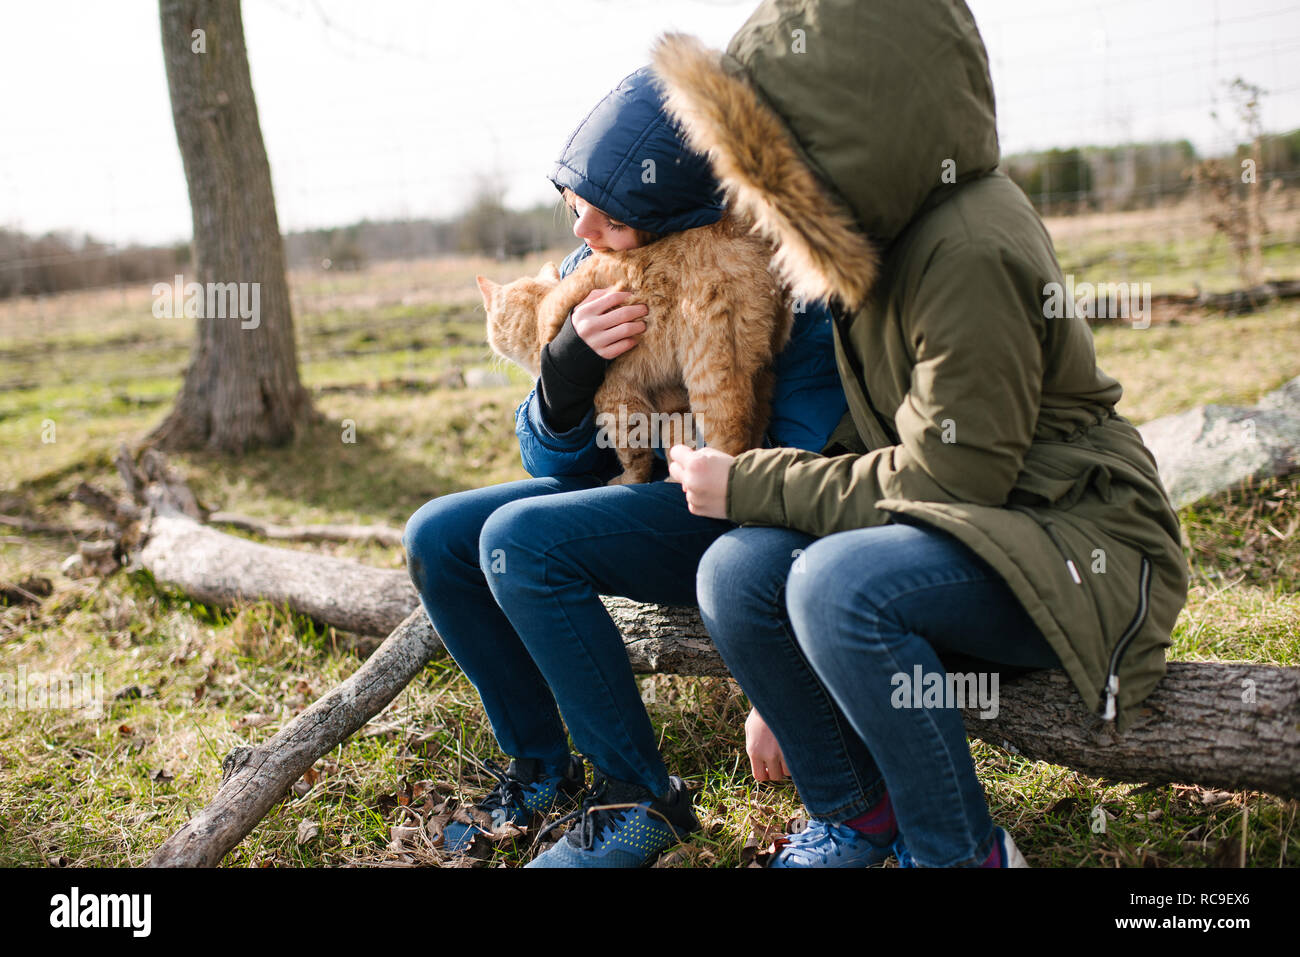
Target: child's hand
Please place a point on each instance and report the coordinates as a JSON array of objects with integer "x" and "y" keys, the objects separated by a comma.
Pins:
[
  {"x": 703, "y": 474},
  {"x": 606, "y": 325},
  {"x": 765, "y": 757}
]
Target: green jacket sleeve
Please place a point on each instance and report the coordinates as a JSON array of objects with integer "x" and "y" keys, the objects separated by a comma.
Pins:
[{"x": 973, "y": 323}]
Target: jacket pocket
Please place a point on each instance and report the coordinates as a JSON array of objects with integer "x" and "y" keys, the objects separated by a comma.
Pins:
[
  {"x": 1049, "y": 527},
  {"x": 1048, "y": 484}
]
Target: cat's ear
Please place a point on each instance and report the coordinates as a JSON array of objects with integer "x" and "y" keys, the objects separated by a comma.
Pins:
[
  {"x": 487, "y": 287},
  {"x": 549, "y": 271}
]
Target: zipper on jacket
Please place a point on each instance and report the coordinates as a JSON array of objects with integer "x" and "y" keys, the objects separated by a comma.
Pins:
[
  {"x": 1050, "y": 529},
  {"x": 1112, "y": 671}
]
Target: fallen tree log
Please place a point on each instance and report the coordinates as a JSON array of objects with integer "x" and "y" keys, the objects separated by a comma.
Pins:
[
  {"x": 1238, "y": 302},
  {"x": 1216, "y": 724},
  {"x": 382, "y": 534},
  {"x": 36, "y": 526},
  {"x": 222, "y": 569},
  {"x": 254, "y": 779}
]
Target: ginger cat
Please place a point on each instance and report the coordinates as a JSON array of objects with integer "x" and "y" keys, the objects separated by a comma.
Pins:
[{"x": 717, "y": 319}]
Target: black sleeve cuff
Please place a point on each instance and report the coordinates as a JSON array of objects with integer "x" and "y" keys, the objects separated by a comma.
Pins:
[{"x": 571, "y": 374}]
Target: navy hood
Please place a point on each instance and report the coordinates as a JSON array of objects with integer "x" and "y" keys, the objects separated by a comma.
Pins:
[{"x": 604, "y": 162}]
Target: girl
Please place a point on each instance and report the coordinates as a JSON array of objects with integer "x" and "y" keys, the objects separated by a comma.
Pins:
[
  {"x": 511, "y": 575},
  {"x": 983, "y": 499}
]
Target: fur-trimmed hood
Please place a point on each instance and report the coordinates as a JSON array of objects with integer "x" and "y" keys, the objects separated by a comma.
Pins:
[{"x": 832, "y": 123}]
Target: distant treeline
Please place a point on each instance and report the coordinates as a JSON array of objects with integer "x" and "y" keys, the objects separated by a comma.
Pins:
[
  {"x": 1134, "y": 175},
  {"x": 487, "y": 227},
  {"x": 1057, "y": 181},
  {"x": 58, "y": 262}
]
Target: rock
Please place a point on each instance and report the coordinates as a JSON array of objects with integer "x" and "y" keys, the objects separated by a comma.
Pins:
[
  {"x": 1285, "y": 399},
  {"x": 485, "y": 379},
  {"x": 98, "y": 558},
  {"x": 74, "y": 567},
  {"x": 452, "y": 379},
  {"x": 1211, "y": 448}
]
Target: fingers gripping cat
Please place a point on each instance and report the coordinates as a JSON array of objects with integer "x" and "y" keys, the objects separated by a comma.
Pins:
[{"x": 717, "y": 319}]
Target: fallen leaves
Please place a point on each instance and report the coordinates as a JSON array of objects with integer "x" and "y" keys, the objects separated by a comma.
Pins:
[
  {"x": 767, "y": 838},
  {"x": 29, "y": 591},
  {"x": 424, "y": 809},
  {"x": 133, "y": 692},
  {"x": 305, "y": 783},
  {"x": 1211, "y": 798}
]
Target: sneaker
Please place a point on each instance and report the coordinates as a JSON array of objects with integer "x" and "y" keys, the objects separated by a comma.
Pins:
[
  {"x": 1011, "y": 856},
  {"x": 622, "y": 825},
  {"x": 523, "y": 794},
  {"x": 823, "y": 844}
]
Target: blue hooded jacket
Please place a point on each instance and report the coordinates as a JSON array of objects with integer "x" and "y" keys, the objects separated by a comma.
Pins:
[{"x": 627, "y": 159}]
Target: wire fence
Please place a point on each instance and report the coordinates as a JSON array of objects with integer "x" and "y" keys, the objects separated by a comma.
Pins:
[{"x": 1111, "y": 187}]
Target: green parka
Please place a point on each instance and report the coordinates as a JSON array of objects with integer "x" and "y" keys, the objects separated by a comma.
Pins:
[{"x": 860, "y": 136}]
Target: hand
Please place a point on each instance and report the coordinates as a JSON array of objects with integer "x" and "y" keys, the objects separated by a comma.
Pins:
[
  {"x": 703, "y": 474},
  {"x": 764, "y": 753},
  {"x": 605, "y": 324}
]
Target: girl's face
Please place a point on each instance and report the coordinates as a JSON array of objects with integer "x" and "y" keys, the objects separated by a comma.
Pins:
[{"x": 598, "y": 231}]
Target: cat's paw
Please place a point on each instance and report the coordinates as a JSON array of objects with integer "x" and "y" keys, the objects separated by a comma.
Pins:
[{"x": 628, "y": 478}]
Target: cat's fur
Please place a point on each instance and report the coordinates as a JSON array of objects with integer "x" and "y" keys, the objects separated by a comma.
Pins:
[{"x": 717, "y": 319}]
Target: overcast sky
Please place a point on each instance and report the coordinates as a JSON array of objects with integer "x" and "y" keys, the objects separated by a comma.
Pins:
[{"x": 391, "y": 108}]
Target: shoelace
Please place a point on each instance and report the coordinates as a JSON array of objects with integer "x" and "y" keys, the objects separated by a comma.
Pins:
[
  {"x": 507, "y": 794},
  {"x": 817, "y": 831},
  {"x": 597, "y": 819}
]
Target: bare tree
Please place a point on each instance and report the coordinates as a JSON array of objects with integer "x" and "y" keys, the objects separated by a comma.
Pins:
[
  {"x": 242, "y": 387},
  {"x": 1233, "y": 212}
]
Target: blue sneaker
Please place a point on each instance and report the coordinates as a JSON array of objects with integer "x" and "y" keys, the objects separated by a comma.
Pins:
[
  {"x": 523, "y": 793},
  {"x": 823, "y": 844},
  {"x": 1011, "y": 856},
  {"x": 622, "y": 825}
]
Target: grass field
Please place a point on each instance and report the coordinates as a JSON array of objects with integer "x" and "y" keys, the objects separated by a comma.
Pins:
[{"x": 185, "y": 683}]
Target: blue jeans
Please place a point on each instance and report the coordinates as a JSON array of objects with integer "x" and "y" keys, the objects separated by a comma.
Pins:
[
  {"x": 817, "y": 630},
  {"x": 510, "y": 576}
]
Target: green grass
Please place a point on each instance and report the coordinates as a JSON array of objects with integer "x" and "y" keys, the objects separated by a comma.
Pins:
[
  {"x": 1231, "y": 361},
  {"x": 106, "y": 791}
]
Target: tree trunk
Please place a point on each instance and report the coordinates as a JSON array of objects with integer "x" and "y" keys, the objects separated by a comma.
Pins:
[{"x": 241, "y": 388}]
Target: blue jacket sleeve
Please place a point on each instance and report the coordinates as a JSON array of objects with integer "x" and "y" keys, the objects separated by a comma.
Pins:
[{"x": 575, "y": 452}]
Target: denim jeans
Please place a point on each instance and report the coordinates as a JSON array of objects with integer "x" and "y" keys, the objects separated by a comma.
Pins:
[
  {"x": 510, "y": 576},
  {"x": 817, "y": 630}
]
